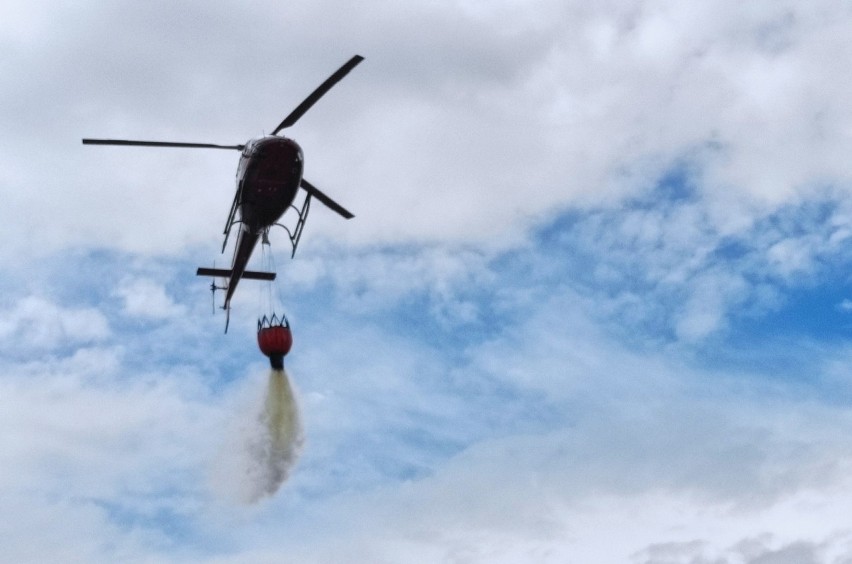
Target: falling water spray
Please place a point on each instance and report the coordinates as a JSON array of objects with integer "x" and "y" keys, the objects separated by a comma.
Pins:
[
  {"x": 263, "y": 444},
  {"x": 281, "y": 435}
]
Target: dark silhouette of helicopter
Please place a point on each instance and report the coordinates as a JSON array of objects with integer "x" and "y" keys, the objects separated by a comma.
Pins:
[{"x": 268, "y": 177}]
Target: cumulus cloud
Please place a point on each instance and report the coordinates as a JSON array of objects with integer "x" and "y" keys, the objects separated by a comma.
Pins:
[
  {"x": 754, "y": 550},
  {"x": 538, "y": 441},
  {"x": 100, "y": 457},
  {"x": 36, "y": 323},
  {"x": 147, "y": 299},
  {"x": 561, "y": 207},
  {"x": 468, "y": 133},
  {"x": 570, "y": 440}
]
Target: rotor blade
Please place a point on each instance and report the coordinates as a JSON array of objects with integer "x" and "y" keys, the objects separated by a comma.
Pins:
[
  {"x": 160, "y": 144},
  {"x": 331, "y": 204},
  {"x": 319, "y": 93}
]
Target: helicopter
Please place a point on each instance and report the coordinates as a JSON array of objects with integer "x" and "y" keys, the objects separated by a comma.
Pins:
[{"x": 269, "y": 176}]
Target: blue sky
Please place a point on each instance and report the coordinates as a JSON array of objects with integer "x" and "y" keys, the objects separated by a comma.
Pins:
[{"x": 594, "y": 305}]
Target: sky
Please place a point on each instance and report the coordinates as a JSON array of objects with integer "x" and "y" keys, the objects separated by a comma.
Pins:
[{"x": 594, "y": 305}]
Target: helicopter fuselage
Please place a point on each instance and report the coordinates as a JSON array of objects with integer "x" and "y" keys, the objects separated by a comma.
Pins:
[{"x": 268, "y": 176}]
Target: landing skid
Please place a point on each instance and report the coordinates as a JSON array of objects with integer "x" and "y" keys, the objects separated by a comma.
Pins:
[{"x": 302, "y": 215}]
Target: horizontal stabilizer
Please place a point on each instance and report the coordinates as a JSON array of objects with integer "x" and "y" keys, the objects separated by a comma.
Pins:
[
  {"x": 226, "y": 273},
  {"x": 255, "y": 275}
]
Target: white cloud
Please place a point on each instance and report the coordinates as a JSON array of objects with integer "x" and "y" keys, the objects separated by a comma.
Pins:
[
  {"x": 100, "y": 460},
  {"x": 793, "y": 256},
  {"x": 759, "y": 549},
  {"x": 146, "y": 298},
  {"x": 615, "y": 444},
  {"x": 468, "y": 133},
  {"x": 35, "y": 323},
  {"x": 713, "y": 296},
  {"x": 377, "y": 281},
  {"x": 542, "y": 443},
  {"x": 542, "y": 437}
]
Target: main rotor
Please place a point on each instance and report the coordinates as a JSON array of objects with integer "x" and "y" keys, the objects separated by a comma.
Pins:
[{"x": 288, "y": 121}]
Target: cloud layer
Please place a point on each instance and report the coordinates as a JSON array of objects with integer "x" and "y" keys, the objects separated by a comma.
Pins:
[{"x": 593, "y": 308}]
